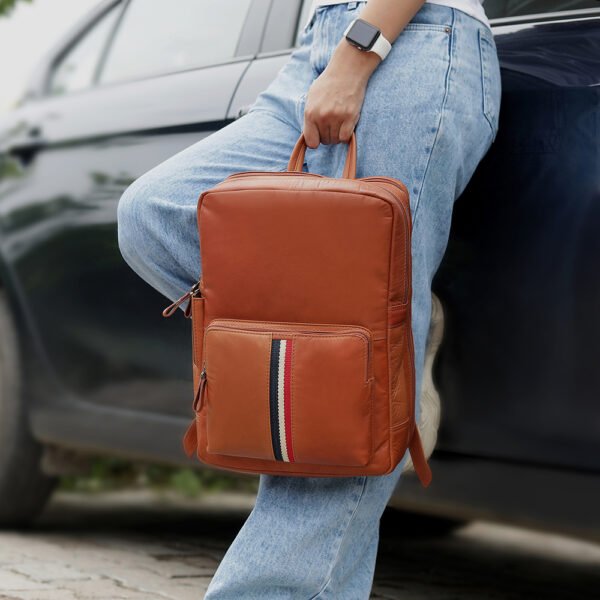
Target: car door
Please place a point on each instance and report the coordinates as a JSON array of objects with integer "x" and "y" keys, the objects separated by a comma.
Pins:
[
  {"x": 134, "y": 84},
  {"x": 518, "y": 368}
]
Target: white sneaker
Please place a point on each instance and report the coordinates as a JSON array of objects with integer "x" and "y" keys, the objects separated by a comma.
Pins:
[{"x": 429, "y": 421}]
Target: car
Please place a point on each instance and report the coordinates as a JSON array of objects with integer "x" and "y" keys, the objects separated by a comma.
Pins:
[{"x": 88, "y": 364}]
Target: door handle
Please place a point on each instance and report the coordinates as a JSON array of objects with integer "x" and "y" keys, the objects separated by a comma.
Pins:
[
  {"x": 35, "y": 132},
  {"x": 25, "y": 146}
]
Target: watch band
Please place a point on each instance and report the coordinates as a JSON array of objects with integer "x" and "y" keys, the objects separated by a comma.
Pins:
[{"x": 381, "y": 46}]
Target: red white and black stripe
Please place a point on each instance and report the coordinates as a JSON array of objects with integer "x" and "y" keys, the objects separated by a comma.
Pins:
[{"x": 280, "y": 399}]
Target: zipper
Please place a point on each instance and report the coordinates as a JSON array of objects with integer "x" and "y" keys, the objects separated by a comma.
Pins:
[
  {"x": 404, "y": 221},
  {"x": 289, "y": 328},
  {"x": 193, "y": 291},
  {"x": 411, "y": 354},
  {"x": 252, "y": 173},
  {"x": 199, "y": 397},
  {"x": 389, "y": 180}
]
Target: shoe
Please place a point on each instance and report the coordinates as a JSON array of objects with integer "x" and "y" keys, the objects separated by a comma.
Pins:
[{"x": 429, "y": 420}]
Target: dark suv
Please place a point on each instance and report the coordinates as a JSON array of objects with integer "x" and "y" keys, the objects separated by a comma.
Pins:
[{"x": 89, "y": 365}]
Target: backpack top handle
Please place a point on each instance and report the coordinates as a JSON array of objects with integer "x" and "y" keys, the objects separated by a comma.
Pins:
[{"x": 297, "y": 157}]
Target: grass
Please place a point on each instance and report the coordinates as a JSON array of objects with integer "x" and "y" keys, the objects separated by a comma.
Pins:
[{"x": 108, "y": 474}]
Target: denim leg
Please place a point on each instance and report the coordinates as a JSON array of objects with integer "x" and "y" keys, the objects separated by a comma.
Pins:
[
  {"x": 422, "y": 122},
  {"x": 299, "y": 532},
  {"x": 156, "y": 215}
]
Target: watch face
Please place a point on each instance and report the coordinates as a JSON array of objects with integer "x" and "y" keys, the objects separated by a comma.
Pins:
[{"x": 363, "y": 34}]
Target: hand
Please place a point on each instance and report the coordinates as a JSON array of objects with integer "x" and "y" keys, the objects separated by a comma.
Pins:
[{"x": 335, "y": 99}]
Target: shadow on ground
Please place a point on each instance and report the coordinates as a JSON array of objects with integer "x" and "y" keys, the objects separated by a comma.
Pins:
[{"x": 139, "y": 545}]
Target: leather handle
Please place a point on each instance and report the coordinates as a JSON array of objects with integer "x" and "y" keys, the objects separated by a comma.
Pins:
[{"x": 297, "y": 157}]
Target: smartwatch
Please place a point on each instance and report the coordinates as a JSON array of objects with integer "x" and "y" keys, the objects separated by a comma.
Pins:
[{"x": 367, "y": 37}]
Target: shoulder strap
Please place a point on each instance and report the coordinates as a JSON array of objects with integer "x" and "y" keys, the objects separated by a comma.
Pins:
[
  {"x": 418, "y": 458},
  {"x": 190, "y": 439}
]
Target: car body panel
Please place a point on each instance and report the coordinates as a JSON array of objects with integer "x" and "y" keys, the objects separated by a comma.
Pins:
[
  {"x": 519, "y": 281},
  {"x": 70, "y": 158}
]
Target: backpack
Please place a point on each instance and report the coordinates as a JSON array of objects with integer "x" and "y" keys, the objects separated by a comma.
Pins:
[{"x": 302, "y": 344}]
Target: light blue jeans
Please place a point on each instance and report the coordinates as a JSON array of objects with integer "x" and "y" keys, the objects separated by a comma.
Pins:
[{"x": 429, "y": 116}]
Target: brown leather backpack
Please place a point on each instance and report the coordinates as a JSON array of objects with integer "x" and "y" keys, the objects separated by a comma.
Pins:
[{"x": 302, "y": 342}]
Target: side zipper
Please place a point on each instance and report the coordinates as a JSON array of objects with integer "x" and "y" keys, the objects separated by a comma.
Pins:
[
  {"x": 199, "y": 397},
  {"x": 193, "y": 291}
]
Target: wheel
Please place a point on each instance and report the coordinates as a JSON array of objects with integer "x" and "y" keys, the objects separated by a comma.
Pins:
[
  {"x": 400, "y": 522},
  {"x": 24, "y": 489}
]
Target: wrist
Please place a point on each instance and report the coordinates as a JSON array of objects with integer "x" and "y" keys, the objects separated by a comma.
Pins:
[{"x": 358, "y": 63}]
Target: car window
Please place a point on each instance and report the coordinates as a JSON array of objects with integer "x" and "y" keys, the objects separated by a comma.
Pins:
[
  {"x": 512, "y": 8},
  {"x": 76, "y": 69},
  {"x": 154, "y": 38}
]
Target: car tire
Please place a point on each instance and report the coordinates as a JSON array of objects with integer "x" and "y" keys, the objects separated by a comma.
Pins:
[{"x": 24, "y": 488}]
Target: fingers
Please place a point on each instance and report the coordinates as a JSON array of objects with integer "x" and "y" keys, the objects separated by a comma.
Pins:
[
  {"x": 345, "y": 132},
  {"x": 335, "y": 132},
  {"x": 329, "y": 118},
  {"x": 311, "y": 133}
]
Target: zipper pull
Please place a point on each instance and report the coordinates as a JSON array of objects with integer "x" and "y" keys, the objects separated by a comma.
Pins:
[
  {"x": 198, "y": 399},
  {"x": 167, "y": 312}
]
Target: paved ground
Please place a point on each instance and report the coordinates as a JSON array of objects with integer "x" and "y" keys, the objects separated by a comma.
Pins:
[{"x": 137, "y": 546}]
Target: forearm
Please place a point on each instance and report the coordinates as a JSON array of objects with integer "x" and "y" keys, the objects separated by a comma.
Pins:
[
  {"x": 335, "y": 98},
  {"x": 390, "y": 16}
]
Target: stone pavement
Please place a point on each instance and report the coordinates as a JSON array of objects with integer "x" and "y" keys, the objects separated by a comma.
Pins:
[{"x": 141, "y": 545}]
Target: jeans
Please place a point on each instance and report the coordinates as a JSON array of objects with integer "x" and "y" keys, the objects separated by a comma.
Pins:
[{"x": 429, "y": 116}]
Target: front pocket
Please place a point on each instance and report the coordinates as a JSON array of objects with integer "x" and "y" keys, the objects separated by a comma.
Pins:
[
  {"x": 290, "y": 392},
  {"x": 490, "y": 80}
]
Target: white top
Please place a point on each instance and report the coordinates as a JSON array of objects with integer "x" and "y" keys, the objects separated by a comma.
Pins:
[{"x": 471, "y": 7}]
